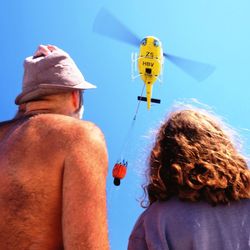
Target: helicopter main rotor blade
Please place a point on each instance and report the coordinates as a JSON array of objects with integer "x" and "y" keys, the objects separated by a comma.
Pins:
[
  {"x": 198, "y": 70},
  {"x": 108, "y": 25}
]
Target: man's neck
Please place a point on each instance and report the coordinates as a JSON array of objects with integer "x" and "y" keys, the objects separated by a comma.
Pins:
[{"x": 37, "y": 112}]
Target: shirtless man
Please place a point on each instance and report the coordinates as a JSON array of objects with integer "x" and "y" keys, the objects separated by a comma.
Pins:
[{"x": 52, "y": 166}]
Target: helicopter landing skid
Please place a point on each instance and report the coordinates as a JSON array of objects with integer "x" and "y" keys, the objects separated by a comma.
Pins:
[{"x": 144, "y": 99}]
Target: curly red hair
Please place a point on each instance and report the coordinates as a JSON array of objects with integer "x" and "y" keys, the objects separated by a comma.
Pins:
[{"x": 194, "y": 159}]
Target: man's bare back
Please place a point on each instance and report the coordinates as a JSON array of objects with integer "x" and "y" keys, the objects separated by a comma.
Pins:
[{"x": 52, "y": 188}]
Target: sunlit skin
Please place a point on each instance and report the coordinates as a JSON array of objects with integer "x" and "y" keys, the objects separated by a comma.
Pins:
[{"x": 53, "y": 171}]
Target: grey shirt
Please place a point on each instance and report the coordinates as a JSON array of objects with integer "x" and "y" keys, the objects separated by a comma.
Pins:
[{"x": 181, "y": 225}]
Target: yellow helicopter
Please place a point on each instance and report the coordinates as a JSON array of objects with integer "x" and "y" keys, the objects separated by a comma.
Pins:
[
  {"x": 151, "y": 56},
  {"x": 149, "y": 63}
]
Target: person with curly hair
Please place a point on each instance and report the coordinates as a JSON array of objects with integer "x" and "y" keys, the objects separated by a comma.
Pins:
[{"x": 198, "y": 188}]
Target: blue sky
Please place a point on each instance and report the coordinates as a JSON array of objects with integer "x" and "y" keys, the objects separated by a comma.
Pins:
[{"x": 216, "y": 32}]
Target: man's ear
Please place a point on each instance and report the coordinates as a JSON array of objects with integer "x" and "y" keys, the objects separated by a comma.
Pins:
[{"x": 75, "y": 98}]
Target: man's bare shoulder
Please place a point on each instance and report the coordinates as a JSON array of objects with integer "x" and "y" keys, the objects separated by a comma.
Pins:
[{"x": 70, "y": 128}]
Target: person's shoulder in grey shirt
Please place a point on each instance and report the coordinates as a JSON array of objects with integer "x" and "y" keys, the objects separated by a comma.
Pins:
[{"x": 192, "y": 225}]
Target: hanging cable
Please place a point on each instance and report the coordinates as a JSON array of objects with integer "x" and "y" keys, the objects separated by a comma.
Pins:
[
  {"x": 128, "y": 136},
  {"x": 120, "y": 167}
]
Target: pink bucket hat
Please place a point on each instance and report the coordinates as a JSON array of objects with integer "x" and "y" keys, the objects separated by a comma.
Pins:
[{"x": 50, "y": 74}]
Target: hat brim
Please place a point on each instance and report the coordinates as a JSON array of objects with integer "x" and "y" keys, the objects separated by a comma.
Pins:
[{"x": 49, "y": 89}]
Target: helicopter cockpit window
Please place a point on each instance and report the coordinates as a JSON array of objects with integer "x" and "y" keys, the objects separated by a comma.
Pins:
[
  {"x": 144, "y": 41},
  {"x": 156, "y": 43}
]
